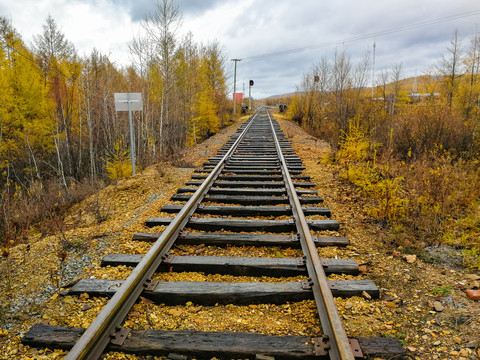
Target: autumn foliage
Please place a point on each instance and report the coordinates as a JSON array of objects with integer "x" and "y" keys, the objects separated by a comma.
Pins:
[
  {"x": 410, "y": 146},
  {"x": 58, "y": 126}
]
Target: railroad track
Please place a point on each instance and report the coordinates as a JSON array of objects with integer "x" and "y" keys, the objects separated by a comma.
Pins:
[{"x": 252, "y": 193}]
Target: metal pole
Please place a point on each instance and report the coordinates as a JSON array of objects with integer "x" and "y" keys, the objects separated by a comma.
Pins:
[
  {"x": 132, "y": 138},
  {"x": 235, "y": 85},
  {"x": 373, "y": 71},
  {"x": 249, "y": 97}
]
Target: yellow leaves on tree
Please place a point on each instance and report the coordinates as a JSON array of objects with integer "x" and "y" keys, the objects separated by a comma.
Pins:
[
  {"x": 209, "y": 100},
  {"x": 355, "y": 150},
  {"x": 25, "y": 121},
  {"x": 207, "y": 120},
  {"x": 118, "y": 163},
  {"x": 354, "y": 144}
]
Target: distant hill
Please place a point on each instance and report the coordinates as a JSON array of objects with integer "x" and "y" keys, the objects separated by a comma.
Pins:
[
  {"x": 279, "y": 96},
  {"x": 420, "y": 84}
]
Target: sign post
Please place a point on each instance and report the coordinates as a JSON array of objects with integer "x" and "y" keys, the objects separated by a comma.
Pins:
[{"x": 129, "y": 102}]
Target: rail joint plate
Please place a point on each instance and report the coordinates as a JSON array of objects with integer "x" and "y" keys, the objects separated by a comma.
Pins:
[
  {"x": 306, "y": 284},
  {"x": 167, "y": 259},
  {"x": 356, "y": 349},
  {"x": 321, "y": 345},
  {"x": 118, "y": 337},
  {"x": 301, "y": 261},
  {"x": 149, "y": 285}
]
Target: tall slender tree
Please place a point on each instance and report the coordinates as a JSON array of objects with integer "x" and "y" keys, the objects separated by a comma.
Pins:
[
  {"x": 161, "y": 28},
  {"x": 451, "y": 67},
  {"x": 61, "y": 70}
]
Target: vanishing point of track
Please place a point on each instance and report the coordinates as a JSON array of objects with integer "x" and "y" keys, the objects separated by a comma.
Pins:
[{"x": 256, "y": 174}]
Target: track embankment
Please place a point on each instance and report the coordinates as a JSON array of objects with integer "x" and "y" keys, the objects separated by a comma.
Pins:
[{"x": 107, "y": 235}]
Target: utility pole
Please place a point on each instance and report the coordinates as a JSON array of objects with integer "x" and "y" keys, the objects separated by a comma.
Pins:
[
  {"x": 373, "y": 69},
  {"x": 414, "y": 90},
  {"x": 235, "y": 85}
]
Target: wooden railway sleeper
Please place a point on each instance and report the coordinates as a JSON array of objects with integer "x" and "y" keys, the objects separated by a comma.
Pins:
[
  {"x": 322, "y": 346},
  {"x": 327, "y": 310},
  {"x": 95, "y": 338}
]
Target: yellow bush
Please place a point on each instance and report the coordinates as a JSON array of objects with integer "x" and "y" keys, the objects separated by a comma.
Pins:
[
  {"x": 118, "y": 163},
  {"x": 391, "y": 205},
  {"x": 354, "y": 144},
  {"x": 354, "y": 151}
]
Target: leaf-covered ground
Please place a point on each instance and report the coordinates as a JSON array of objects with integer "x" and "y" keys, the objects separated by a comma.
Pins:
[
  {"x": 105, "y": 223},
  {"x": 410, "y": 287}
]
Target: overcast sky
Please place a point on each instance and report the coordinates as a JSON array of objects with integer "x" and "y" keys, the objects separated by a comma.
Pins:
[{"x": 248, "y": 28}]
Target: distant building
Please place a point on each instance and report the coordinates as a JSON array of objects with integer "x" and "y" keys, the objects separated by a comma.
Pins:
[
  {"x": 238, "y": 96},
  {"x": 416, "y": 97}
]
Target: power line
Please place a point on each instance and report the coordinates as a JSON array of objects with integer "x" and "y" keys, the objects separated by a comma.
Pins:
[{"x": 363, "y": 37}]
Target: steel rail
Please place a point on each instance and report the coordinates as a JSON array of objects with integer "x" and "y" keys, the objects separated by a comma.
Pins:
[
  {"x": 96, "y": 337},
  {"x": 329, "y": 317}
]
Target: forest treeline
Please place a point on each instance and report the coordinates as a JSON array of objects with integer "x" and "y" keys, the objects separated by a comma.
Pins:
[
  {"x": 59, "y": 132},
  {"x": 410, "y": 145}
]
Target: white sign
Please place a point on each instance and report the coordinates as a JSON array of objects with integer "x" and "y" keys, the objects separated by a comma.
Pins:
[{"x": 128, "y": 101}]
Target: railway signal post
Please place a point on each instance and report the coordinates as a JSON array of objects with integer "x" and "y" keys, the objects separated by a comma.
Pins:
[{"x": 250, "y": 84}]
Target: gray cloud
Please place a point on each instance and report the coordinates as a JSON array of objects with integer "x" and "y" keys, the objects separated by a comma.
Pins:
[
  {"x": 252, "y": 27},
  {"x": 196, "y": 7},
  {"x": 141, "y": 8},
  {"x": 418, "y": 49}
]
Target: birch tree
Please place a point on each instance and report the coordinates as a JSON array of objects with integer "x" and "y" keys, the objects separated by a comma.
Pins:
[
  {"x": 161, "y": 28},
  {"x": 451, "y": 67}
]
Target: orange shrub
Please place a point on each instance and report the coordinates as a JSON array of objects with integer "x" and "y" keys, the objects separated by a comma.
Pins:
[{"x": 428, "y": 128}]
